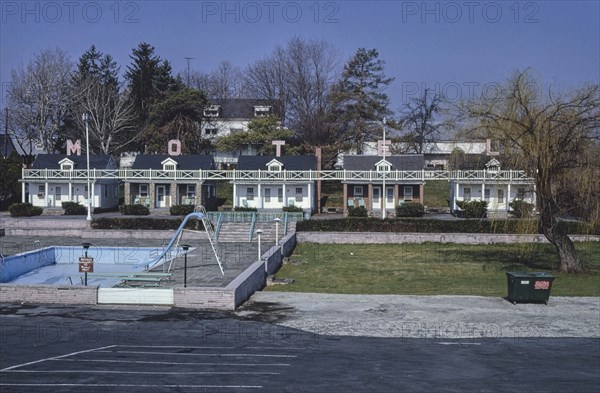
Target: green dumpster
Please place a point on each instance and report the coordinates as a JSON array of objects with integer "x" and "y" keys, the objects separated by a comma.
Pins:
[{"x": 533, "y": 287}]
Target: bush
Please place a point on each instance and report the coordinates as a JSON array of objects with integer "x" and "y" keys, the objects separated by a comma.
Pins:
[
  {"x": 24, "y": 210},
  {"x": 472, "y": 209},
  {"x": 410, "y": 210},
  {"x": 435, "y": 226},
  {"x": 144, "y": 223},
  {"x": 360, "y": 211},
  {"x": 244, "y": 209},
  {"x": 291, "y": 209},
  {"x": 521, "y": 209},
  {"x": 134, "y": 210},
  {"x": 181, "y": 210},
  {"x": 74, "y": 209}
]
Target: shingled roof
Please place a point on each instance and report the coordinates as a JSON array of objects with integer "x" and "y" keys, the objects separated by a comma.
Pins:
[
  {"x": 404, "y": 162},
  {"x": 243, "y": 108},
  {"x": 290, "y": 163},
  {"x": 184, "y": 162},
  {"x": 52, "y": 161}
]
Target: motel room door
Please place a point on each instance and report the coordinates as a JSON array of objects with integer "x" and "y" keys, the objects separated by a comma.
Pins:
[
  {"x": 376, "y": 197},
  {"x": 161, "y": 196}
]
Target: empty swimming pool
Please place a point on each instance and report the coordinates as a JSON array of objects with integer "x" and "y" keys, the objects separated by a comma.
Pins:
[{"x": 59, "y": 265}]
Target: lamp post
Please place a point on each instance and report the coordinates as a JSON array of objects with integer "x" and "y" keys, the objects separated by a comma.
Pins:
[
  {"x": 85, "y": 118},
  {"x": 86, "y": 247},
  {"x": 383, "y": 190},
  {"x": 259, "y": 232},
  {"x": 185, "y": 247},
  {"x": 277, "y": 221}
]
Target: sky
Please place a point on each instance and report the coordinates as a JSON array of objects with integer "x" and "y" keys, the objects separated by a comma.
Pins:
[{"x": 463, "y": 49}]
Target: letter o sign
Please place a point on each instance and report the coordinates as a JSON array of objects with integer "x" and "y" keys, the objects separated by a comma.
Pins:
[{"x": 174, "y": 147}]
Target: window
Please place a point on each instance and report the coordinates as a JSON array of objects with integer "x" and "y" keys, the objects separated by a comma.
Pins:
[
  {"x": 169, "y": 167},
  {"x": 267, "y": 195},
  {"x": 408, "y": 193},
  {"x": 274, "y": 168},
  {"x": 105, "y": 189},
  {"x": 486, "y": 195},
  {"x": 210, "y": 131},
  {"x": 383, "y": 168},
  {"x": 143, "y": 190},
  {"x": 262, "y": 111},
  {"x": 280, "y": 195},
  {"x": 250, "y": 193},
  {"x": 41, "y": 190},
  {"x": 467, "y": 193},
  {"x": 58, "y": 193},
  {"x": 500, "y": 195},
  {"x": 190, "y": 191},
  {"x": 212, "y": 111},
  {"x": 66, "y": 167},
  {"x": 358, "y": 191}
]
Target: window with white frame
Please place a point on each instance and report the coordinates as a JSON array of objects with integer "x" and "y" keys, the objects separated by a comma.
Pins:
[
  {"x": 390, "y": 195},
  {"x": 66, "y": 166},
  {"x": 408, "y": 193},
  {"x": 500, "y": 195},
  {"x": 143, "y": 190},
  {"x": 298, "y": 194},
  {"x": 384, "y": 167},
  {"x": 274, "y": 168},
  {"x": 267, "y": 195},
  {"x": 486, "y": 194},
  {"x": 250, "y": 193},
  {"x": 190, "y": 191},
  {"x": 41, "y": 190},
  {"x": 280, "y": 195},
  {"x": 210, "y": 131},
  {"x": 262, "y": 110},
  {"x": 169, "y": 167},
  {"x": 358, "y": 191},
  {"x": 212, "y": 111},
  {"x": 57, "y": 193}
]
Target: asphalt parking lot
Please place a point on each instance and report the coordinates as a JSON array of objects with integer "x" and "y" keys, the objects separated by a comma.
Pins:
[{"x": 108, "y": 349}]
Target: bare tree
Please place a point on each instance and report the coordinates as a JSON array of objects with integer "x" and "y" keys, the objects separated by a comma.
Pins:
[
  {"x": 554, "y": 137},
  {"x": 38, "y": 99},
  {"x": 421, "y": 121},
  {"x": 111, "y": 117},
  {"x": 227, "y": 81}
]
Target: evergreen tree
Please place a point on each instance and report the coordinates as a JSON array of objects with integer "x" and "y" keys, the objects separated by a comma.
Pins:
[
  {"x": 358, "y": 100},
  {"x": 140, "y": 76}
]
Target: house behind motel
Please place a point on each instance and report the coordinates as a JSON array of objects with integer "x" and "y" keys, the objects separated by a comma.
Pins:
[
  {"x": 161, "y": 181},
  {"x": 63, "y": 178},
  {"x": 365, "y": 188},
  {"x": 267, "y": 182}
]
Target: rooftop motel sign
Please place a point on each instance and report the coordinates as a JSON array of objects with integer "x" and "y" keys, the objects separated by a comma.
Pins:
[{"x": 173, "y": 147}]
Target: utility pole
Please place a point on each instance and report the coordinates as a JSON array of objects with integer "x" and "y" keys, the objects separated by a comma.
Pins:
[{"x": 187, "y": 59}]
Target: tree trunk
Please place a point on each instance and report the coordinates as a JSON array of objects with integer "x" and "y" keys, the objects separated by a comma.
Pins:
[{"x": 569, "y": 260}]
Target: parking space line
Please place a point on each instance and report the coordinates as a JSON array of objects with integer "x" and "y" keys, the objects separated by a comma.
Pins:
[
  {"x": 146, "y": 372},
  {"x": 173, "y": 363},
  {"x": 205, "y": 354},
  {"x": 11, "y": 368}
]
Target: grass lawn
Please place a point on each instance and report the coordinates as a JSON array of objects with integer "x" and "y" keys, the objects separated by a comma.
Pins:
[{"x": 431, "y": 268}]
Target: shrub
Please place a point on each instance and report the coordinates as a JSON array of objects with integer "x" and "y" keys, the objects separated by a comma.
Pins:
[
  {"x": 520, "y": 209},
  {"x": 291, "y": 209},
  {"x": 74, "y": 209},
  {"x": 244, "y": 209},
  {"x": 144, "y": 223},
  {"x": 181, "y": 210},
  {"x": 134, "y": 210},
  {"x": 360, "y": 211},
  {"x": 410, "y": 210},
  {"x": 24, "y": 210},
  {"x": 473, "y": 209}
]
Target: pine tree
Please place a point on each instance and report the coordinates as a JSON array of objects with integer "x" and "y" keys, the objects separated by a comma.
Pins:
[{"x": 358, "y": 100}]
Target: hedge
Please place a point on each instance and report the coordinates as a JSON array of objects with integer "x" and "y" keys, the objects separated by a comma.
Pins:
[
  {"x": 360, "y": 211},
  {"x": 144, "y": 223},
  {"x": 134, "y": 210},
  {"x": 472, "y": 209},
  {"x": 181, "y": 210},
  {"x": 410, "y": 210},
  {"x": 74, "y": 209},
  {"x": 291, "y": 209},
  {"x": 24, "y": 210},
  {"x": 520, "y": 209},
  {"x": 434, "y": 226}
]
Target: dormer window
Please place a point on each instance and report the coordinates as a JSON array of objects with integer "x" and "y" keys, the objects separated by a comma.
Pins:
[
  {"x": 66, "y": 164},
  {"x": 383, "y": 166},
  {"x": 169, "y": 164},
  {"x": 262, "y": 110},
  {"x": 274, "y": 166},
  {"x": 493, "y": 165},
  {"x": 212, "y": 111}
]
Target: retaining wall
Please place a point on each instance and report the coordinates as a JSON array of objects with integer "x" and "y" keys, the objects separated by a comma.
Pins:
[
  {"x": 48, "y": 294},
  {"x": 394, "y": 237}
]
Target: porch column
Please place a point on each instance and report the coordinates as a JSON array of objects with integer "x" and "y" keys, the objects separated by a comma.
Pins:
[
  {"x": 455, "y": 196},
  {"x": 70, "y": 185},
  {"x": 284, "y": 194},
  {"x": 46, "y": 194},
  {"x": 127, "y": 193},
  {"x": 173, "y": 195},
  {"x": 310, "y": 198},
  {"x": 422, "y": 193},
  {"x": 259, "y": 203},
  {"x": 198, "y": 200},
  {"x": 507, "y": 198},
  {"x": 370, "y": 198},
  {"x": 396, "y": 196},
  {"x": 235, "y": 195},
  {"x": 23, "y": 192},
  {"x": 345, "y": 201},
  {"x": 152, "y": 194},
  {"x": 92, "y": 205},
  {"x": 483, "y": 193}
]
